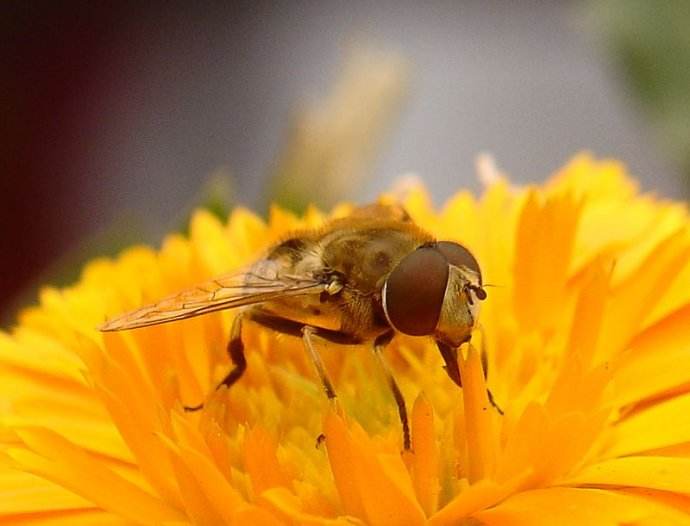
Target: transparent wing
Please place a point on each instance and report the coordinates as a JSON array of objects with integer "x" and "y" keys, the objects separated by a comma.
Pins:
[{"x": 262, "y": 282}]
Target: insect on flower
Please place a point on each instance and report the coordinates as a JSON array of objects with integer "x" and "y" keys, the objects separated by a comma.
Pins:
[{"x": 358, "y": 279}]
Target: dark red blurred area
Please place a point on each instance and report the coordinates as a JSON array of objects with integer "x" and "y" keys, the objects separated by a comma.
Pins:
[{"x": 56, "y": 57}]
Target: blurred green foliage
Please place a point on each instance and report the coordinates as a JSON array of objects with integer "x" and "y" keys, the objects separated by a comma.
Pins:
[{"x": 651, "y": 42}]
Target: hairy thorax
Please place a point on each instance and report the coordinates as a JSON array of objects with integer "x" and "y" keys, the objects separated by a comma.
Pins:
[{"x": 359, "y": 258}]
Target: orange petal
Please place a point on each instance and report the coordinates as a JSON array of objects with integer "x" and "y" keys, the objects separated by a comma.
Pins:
[
  {"x": 518, "y": 451},
  {"x": 287, "y": 505},
  {"x": 206, "y": 494},
  {"x": 380, "y": 481},
  {"x": 483, "y": 494},
  {"x": 139, "y": 427},
  {"x": 195, "y": 500},
  {"x": 342, "y": 460},
  {"x": 479, "y": 418},
  {"x": 544, "y": 244},
  {"x": 425, "y": 458},
  {"x": 261, "y": 462},
  {"x": 589, "y": 310},
  {"x": 255, "y": 516}
]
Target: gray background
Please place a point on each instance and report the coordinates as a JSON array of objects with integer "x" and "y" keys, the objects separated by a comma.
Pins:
[{"x": 523, "y": 80}]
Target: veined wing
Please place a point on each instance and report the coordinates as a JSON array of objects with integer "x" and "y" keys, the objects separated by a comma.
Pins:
[{"x": 262, "y": 282}]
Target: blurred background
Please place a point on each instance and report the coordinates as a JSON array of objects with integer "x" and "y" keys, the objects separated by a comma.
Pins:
[{"x": 118, "y": 119}]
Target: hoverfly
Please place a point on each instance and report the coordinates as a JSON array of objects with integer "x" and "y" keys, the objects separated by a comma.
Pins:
[{"x": 358, "y": 279}]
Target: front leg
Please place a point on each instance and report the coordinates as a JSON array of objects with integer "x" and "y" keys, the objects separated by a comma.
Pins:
[
  {"x": 235, "y": 350},
  {"x": 235, "y": 346},
  {"x": 379, "y": 345}
]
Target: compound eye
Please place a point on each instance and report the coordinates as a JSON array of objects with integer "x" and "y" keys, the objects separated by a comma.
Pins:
[
  {"x": 459, "y": 256},
  {"x": 413, "y": 293}
]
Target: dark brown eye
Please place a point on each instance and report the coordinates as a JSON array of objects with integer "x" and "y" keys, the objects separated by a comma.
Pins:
[
  {"x": 459, "y": 256},
  {"x": 413, "y": 293}
]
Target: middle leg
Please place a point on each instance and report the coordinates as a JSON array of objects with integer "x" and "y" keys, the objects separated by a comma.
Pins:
[{"x": 309, "y": 336}]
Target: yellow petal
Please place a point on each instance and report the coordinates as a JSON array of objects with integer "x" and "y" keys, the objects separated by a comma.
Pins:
[
  {"x": 425, "y": 459},
  {"x": 483, "y": 494},
  {"x": 247, "y": 232},
  {"x": 544, "y": 245},
  {"x": 577, "y": 507},
  {"x": 603, "y": 180},
  {"x": 24, "y": 493},
  {"x": 662, "y": 425},
  {"x": 86, "y": 517},
  {"x": 661, "y": 473},
  {"x": 657, "y": 362},
  {"x": 380, "y": 480},
  {"x": 632, "y": 300},
  {"x": 61, "y": 462},
  {"x": 34, "y": 351},
  {"x": 589, "y": 312},
  {"x": 214, "y": 253},
  {"x": 261, "y": 462}
]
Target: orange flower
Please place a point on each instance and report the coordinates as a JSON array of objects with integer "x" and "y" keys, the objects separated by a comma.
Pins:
[{"x": 586, "y": 329}]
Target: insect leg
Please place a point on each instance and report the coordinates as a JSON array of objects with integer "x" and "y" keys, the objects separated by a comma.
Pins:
[
  {"x": 294, "y": 328},
  {"x": 379, "y": 344},
  {"x": 235, "y": 349},
  {"x": 450, "y": 357},
  {"x": 490, "y": 395},
  {"x": 307, "y": 333},
  {"x": 485, "y": 368}
]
